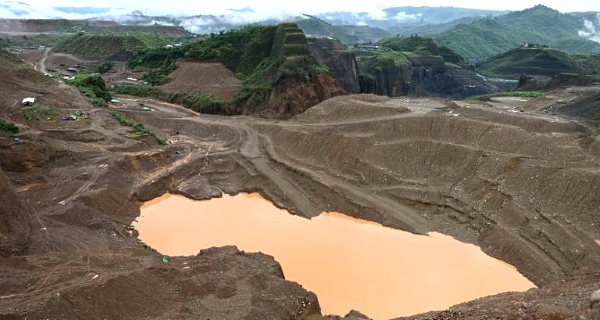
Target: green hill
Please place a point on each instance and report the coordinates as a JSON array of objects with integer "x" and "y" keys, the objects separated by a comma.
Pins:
[
  {"x": 427, "y": 29},
  {"x": 540, "y": 61},
  {"x": 109, "y": 47},
  {"x": 538, "y": 25}
]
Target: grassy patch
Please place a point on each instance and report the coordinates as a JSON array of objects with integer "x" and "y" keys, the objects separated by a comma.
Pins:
[
  {"x": 137, "y": 129},
  {"x": 520, "y": 94},
  {"x": 40, "y": 114},
  {"x": 8, "y": 126},
  {"x": 100, "y": 47},
  {"x": 203, "y": 103}
]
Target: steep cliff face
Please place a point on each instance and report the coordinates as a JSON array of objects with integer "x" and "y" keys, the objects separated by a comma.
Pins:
[
  {"x": 340, "y": 61},
  {"x": 406, "y": 66},
  {"x": 420, "y": 76},
  {"x": 295, "y": 95}
]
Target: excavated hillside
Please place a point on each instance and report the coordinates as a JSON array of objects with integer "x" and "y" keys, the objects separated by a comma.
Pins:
[
  {"x": 521, "y": 185},
  {"x": 416, "y": 66},
  {"x": 294, "y": 80}
]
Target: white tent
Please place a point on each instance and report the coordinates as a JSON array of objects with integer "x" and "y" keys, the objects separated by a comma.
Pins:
[{"x": 28, "y": 101}]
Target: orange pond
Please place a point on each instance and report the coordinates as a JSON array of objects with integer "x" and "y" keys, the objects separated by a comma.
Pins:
[{"x": 349, "y": 263}]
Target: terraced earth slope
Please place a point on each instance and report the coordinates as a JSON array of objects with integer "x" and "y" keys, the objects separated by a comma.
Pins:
[{"x": 517, "y": 177}]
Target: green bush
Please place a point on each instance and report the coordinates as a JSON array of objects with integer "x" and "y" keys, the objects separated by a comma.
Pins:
[
  {"x": 203, "y": 103},
  {"x": 319, "y": 68},
  {"x": 8, "y": 126},
  {"x": 157, "y": 77},
  {"x": 104, "y": 67},
  {"x": 94, "y": 87}
]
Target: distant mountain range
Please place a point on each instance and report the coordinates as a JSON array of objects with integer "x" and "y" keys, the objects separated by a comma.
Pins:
[
  {"x": 540, "y": 25},
  {"x": 406, "y": 16},
  {"x": 475, "y": 34}
]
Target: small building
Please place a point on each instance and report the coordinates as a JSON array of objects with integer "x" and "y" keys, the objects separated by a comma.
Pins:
[{"x": 29, "y": 101}]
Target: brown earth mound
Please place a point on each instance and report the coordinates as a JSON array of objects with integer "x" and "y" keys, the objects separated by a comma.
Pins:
[
  {"x": 521, "y": 185},
  {"x": 203, "y": 77}
]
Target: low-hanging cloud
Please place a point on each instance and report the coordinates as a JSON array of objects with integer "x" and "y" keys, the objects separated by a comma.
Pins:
[
  {"x": 20, "y": 10},
  {"x": 402, "y": 16},
  {"x": 591, "y": 29}
]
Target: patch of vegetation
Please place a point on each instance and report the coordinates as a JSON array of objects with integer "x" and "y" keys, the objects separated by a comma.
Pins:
[
  {"x": 520, "y": 94},
  {"x": 9, "y": 56},
  {"x": 378, "y": 67},
  {"x": 93, "y": 87},
  {"x": 137, "y": 129},
  {"x": 260, "y": 56},
  {"x": 40, "y": 114},
  {"x": 157, "y": 77},
  {"x": 8, "y": 126},
  {"x": 399, "y": 58},
  {"x": 405, "y": 50},
  {"x": 241, "y": 50},
  {"x": 34, "y": 41},
  {"x": 203, "y": 103},
  {"x": 539, "y": 61},
  {"x": 6, "y": 43},
  {"x": 450, "y": 56},
  {"x": 319, "y": 68},
  {"x": 103, "y": 67},
  {"x": 415, "y": 44},
  {"x": 109, "y": 47},
  {"x": 155, "y": 57}
]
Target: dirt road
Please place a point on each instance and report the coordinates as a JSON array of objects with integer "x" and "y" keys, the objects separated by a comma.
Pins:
[{"x": 41, "y": 65}]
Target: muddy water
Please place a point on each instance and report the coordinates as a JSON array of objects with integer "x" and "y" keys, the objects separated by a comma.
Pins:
[{"x": 348, "y": 263}]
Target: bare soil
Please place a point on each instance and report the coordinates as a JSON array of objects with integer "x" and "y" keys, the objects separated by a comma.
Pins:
[
  {"x": 524, "y": 186},
  {"x": 203, "y": 78}
]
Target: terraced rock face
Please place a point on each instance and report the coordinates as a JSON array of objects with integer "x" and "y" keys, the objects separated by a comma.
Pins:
[{"x": 523, "y": 187}]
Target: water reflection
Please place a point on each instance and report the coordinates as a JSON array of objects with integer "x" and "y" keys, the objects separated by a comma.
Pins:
[{"x": 349, "y": 263}]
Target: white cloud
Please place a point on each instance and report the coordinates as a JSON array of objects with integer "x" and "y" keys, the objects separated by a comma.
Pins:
[
  {"x": 272, "y": 9},
  {"x": 275, "y": 7},
  {"x": 590, "y": 30},
  {"x": 403, "y": 16}
]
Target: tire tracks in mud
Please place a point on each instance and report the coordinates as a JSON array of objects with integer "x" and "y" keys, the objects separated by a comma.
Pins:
[
  {"x": 295, "y": 183},
  {"x": 259, "y": 151},
  {"x": 393, "y": 211}
]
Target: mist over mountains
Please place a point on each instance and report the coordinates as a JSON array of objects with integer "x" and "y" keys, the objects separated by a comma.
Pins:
[
  {"x": 393, "y": 21},
  {"x": 591, "y": 30}
]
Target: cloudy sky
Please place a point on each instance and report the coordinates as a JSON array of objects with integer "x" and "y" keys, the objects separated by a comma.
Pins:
[{"x": 277, "y": 7}]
